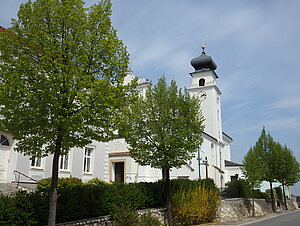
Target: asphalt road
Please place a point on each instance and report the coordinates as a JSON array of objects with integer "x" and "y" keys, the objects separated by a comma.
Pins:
[{"x": 286, "y": 219}]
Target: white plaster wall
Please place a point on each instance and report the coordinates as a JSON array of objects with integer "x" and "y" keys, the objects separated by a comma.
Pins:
[
  {"x": 20, "y": 162},
  {"x": 232, "y": 171}
]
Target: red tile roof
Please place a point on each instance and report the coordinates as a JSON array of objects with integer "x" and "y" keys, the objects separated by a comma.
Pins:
[{"x": 2, "y": 29}]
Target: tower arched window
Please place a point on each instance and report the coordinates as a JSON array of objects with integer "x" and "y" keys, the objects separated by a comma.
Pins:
[
  {"x": 4, "y": 140},
  {"x": 202, "y": 82}
]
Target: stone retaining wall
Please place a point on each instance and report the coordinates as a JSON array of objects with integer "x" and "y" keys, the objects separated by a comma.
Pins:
[
  {"x": 234, "y": 210},
  {"x": 159, "y": 213},
  {"x": 231, "y": 210}
]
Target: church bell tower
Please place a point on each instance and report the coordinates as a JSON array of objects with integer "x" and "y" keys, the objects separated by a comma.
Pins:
[{"x": 204, "y": 85}]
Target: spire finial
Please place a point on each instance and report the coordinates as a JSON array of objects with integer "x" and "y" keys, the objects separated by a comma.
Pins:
[{"x": 203, "y": 47}]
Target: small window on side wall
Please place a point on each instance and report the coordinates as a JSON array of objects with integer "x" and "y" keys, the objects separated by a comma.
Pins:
[
  {"x": 4, "y": 140},
  {"x": 202, "y": 82},
  {"x": 36, "y": 162}
]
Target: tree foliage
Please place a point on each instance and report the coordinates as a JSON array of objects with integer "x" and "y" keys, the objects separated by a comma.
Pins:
[
  {"x": 269, "y": 160},
  {"x": 254, "y": 167},
  {"x": 164, "y": 128},
  {"x": 289, "y": 170},
  {"x": 61, "y": 81},
  {"x": 61, "y": 74}
]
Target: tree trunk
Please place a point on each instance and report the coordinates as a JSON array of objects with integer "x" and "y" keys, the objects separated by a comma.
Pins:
[
  {"x": 166, "y": 179},
  {"x": 283, "y": 189},
  {"x": 272, "y": 197},
  {"x": 53, "y": 191},
  {"x": 253, "y": 208}
]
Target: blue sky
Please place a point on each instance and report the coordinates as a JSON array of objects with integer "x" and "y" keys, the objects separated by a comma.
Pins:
[{"x": 255, "y": 45}]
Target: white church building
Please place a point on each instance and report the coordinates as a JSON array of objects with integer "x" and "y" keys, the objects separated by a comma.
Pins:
[{"x": 111, "y": 161}]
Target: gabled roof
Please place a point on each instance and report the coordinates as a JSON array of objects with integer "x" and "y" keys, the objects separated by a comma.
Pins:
[
  {"x": 229, "y": 163},
  {"x": 210, "y": 136},
  {"x": 2, "y": 29},
  {"x": 227, "y": 136}
]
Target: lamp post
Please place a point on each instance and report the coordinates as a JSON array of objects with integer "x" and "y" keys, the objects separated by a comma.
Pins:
[
  {"x": 199, "y": 163},
  {"x": 205, "y": 162}
]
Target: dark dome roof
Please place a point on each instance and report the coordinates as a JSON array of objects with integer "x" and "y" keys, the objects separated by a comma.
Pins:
[{"x": 203, "y": 62}]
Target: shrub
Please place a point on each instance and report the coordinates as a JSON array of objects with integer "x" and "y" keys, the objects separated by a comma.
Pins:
[
  {"x": 236, "y": 189},
  {"x": 278, "y": 191},
  {"x": 268, "y": 191},
  {"x": 195, "y": 205},
  {"x": 80, "y": 201},
  {"x": 147, "y": 219},
  {"x": 44, "y": 184},
  {"x": 125, "y": 216},
  {"x": 264, "y": 195},
  {"x": 96, "y": 181},
  {"x": 17, "y": 210},
  {"x": 7, "y": 209},
  {"x": 186, "y": 184}
]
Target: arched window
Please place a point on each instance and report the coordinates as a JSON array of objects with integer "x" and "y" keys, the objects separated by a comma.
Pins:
[
  {"x": 4, "y": 141},
  {"x": 202, "y": 82}
]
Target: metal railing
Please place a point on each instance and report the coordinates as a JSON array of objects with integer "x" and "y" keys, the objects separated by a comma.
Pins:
[{"x": 18, "y": 174}]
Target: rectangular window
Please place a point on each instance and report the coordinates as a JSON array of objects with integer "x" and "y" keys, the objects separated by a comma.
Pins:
[
  {"x": 36, "y": 162},
  {"x": 64, "y": 162},
  {"x": 87, "y": 162}
]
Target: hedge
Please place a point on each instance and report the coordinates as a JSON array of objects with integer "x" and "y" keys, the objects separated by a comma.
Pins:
[{"x": 78, "y": 200}]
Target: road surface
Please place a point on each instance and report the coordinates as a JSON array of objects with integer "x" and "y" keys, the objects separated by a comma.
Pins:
[{"x": 286, "y": 219}]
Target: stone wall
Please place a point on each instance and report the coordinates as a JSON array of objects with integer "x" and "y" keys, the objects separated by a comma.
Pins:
[
  {"x": 231, "y": 210},
  {"x": 234, "y": 210},
  {"x": 159, "y": 213}
]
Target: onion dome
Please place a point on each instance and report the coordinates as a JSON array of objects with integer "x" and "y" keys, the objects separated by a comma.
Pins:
[{"x": 203, "y": 62}]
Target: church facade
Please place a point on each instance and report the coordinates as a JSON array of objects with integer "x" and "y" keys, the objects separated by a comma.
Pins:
[{"x": 111, "y": 161}]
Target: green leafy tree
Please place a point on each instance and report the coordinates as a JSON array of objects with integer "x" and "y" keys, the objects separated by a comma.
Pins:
[
  {"x": 288, "y": 168},
  {"x": 164, "y": 129},
  {"x": 264, "y": 149},
  {"x": 254, "y": 170},
  {"x": 61, "y": 81},
  {"x": 269, "y": 160}
]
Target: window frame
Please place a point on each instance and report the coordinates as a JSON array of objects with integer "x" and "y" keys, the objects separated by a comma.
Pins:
[
  {"x": 33, "y": 162},
  {"x": 64, "y": 162},
  {"x": 201, "y": 82},
  {"x": 5, "y": 139},
  {"x": 88, "y": 160}
]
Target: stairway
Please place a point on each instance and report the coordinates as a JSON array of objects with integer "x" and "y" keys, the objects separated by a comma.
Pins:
[
  {"x": 8, "y": 189},
  {"x": 11, "y": 188}
]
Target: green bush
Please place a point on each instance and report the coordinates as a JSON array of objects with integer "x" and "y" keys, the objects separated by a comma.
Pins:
[
  {"x": 7, "y": 210},
  {"x": 147, "y": 219},
  {"x": 96, "y": 181},
  {"x": 125, "y": 216},
  {"x": 17, "y": 210},
  {"x": 242, "y": 189},
  {"x": 236, "y": 189},
  {"x": 44, "y": 184},
  {"x": 80, "y": 201},
  {"x": 186, "y": 184},
  {"x": 279, "y": 194}
]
